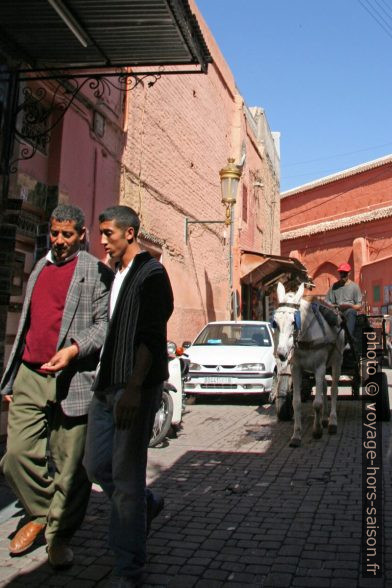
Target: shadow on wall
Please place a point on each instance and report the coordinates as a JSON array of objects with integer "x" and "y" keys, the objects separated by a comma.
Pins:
[
  {"x": 211, "y": 316},
  {"x": 197, "y": 282}
]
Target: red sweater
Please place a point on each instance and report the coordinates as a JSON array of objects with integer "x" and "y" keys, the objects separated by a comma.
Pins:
[{"x": 46, "y": 311}]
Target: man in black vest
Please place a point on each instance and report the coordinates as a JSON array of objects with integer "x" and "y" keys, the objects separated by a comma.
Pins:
[{"x": 128, "y": 389}]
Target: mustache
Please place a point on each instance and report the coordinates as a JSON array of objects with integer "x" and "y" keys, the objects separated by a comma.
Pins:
[{"x": 58, "y": 249}]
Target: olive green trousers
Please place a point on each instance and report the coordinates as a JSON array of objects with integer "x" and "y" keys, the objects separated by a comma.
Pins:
[{"x": 43, "y": 461}]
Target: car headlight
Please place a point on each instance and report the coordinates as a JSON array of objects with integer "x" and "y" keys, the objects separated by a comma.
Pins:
[
  {"x": 251, "y": 367},
  {"x": 171, "y": 348},
  {"x": 194, "y": 367}
]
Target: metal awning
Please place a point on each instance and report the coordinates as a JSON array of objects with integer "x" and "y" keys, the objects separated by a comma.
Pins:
[
  {"x": 50, "y": 34},
  {"x": 262, "y": 270}
]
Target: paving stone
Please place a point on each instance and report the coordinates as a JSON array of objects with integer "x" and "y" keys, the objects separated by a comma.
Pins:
[
  {"x": 57, "y": 581},
  {"x": 318, "y": 581},
  {"x": 216, "y": 574},
  {"x": 95, "y": 572},
  {"x": 278, "y": 580},
  {"x": 347, "y": 583},
  {"x": 181, "y": 581},
  {"x": 209, "y": 584},
  {"x": 273, "y": 535}
]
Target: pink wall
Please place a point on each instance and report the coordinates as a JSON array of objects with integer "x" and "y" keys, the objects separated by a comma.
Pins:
[
  {"x": 363, "y": 243},
  {"x": 180, "y": 133},
  {"x": 376, "y": 278},
  {"x": 164, "y": 161},
  {"x": 84, "y": 166},
  {"x": 354, "y": 194}
]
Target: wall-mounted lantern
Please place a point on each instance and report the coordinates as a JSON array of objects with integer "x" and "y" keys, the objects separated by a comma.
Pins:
[{"x": 230, "y": 176}]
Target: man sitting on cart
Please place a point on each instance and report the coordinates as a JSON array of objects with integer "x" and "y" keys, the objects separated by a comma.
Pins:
[{"x": 346, "y": 296}]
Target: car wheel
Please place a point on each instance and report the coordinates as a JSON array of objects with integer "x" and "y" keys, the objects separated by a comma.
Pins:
[{"x": 385, "y": 409}]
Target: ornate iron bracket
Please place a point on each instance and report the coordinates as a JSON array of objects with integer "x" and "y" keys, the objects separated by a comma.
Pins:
[{"x": 42, "y": 108}]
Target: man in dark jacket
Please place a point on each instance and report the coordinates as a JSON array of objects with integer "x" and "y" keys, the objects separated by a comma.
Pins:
[
  {"x": 128, "y": 389},
  {"x": 50, "y": 373}
]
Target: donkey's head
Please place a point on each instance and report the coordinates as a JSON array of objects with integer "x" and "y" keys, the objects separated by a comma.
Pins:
[{"x": 287, "y": 320}]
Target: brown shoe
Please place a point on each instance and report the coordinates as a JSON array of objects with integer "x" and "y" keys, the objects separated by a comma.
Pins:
[
  {"x": 60, "y": 556},
  {"x": 25, "y": 537}
]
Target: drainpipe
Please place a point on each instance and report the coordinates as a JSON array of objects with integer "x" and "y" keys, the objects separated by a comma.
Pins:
[{"x": 236, "y": 142}]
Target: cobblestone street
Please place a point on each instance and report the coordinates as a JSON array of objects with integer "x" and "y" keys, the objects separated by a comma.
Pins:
[{"x": 242, "y": 508}]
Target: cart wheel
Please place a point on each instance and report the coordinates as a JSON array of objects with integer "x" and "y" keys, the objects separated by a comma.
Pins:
[
  {"x": 384, "y": 399},
  {"x": 355, "y": 386},
  {"x": 355, "y": 390}
]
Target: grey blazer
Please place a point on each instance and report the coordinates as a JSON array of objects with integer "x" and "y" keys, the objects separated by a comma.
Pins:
[{"x": 84, "y": 322}]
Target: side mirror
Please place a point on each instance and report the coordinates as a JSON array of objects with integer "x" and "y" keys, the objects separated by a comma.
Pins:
[{"x": 186, "y": 344}]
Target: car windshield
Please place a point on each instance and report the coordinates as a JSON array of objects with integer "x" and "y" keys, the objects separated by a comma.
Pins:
[{"x": 236, "y": 334}]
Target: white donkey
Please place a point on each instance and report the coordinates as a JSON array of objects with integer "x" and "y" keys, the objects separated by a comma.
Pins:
[{"x": 308, "y": 343}]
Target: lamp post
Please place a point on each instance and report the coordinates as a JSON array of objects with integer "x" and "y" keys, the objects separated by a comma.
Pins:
[{"x": 230, "y": 177}]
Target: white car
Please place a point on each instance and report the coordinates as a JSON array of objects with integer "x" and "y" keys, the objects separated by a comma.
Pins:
[{"x": 230, "y": 357}]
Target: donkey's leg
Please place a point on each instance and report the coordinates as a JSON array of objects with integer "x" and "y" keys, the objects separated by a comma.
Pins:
[
  {"x": 296, "y": 374},
  {"x": 336, "y": 369},
  {"x": 325, "y": 404},
  {"x": 318, "y": 401}
]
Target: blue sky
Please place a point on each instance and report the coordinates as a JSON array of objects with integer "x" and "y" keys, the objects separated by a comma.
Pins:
[{"x": 322, "y": 70}]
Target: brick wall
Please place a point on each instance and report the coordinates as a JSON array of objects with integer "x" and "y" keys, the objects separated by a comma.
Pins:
[
  {"x": 341, "y": 219},
  {"x": 180, "y": 133}
]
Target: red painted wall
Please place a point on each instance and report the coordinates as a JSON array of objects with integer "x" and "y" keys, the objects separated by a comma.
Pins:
[{"x": 329, "y": 228}]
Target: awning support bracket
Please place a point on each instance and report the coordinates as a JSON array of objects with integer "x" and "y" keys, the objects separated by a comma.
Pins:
[{"x": 41, "y": 108}]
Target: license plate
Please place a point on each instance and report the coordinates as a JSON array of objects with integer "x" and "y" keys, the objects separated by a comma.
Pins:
[{"x": 217, "y": 380}]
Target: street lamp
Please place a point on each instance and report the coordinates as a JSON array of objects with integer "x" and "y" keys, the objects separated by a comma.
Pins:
[{"x": 230, "y": 176}]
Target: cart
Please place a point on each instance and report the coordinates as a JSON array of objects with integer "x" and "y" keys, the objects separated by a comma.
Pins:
[{"x": 353, "y": 371}]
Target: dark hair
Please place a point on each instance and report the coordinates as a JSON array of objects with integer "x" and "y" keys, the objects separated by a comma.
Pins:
[
  {"x": 123, "y": 216},
  {"x": 69, "y": 212}
]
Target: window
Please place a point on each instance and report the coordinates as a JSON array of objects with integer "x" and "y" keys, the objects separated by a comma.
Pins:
[{"x": 376, "y": 294}]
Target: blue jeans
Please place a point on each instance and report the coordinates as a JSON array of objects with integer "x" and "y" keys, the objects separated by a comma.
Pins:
[
  {"x": 117, "y": 461},
  {"x": 351, "y": 318}
]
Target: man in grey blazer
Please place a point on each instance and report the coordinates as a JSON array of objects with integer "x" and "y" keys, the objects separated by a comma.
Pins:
[{"x": 49, "y": 374}]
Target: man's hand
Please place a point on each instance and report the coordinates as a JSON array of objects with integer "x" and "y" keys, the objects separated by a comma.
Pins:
[
  {"x": 345, "y": 306},
  {"x": 8, "y": 398},
  {"x": 61, "y": 359},
  {"x": 329, "y": 304},
  {"x": 126, "y": 408}
]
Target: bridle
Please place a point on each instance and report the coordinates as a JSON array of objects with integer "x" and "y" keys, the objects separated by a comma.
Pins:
[{"x": 297, "y": 318}]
